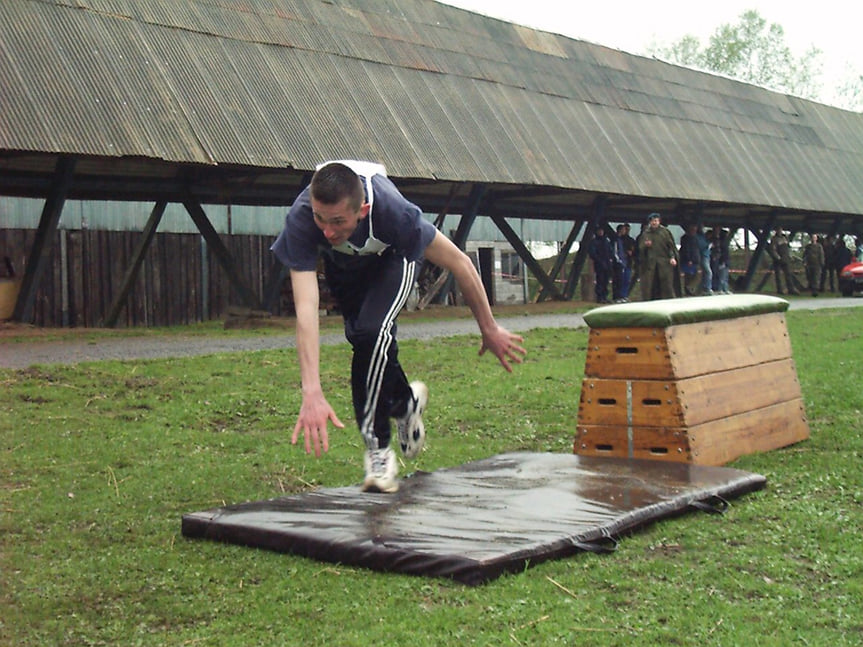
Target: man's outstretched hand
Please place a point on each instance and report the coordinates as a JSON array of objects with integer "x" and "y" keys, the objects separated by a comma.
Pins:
[
  {"x": 505, "y": 346},
  {"x": 315, "y": 414}
]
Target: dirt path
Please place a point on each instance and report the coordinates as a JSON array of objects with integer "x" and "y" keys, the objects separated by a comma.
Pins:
[{"x": 19, "y": 353}]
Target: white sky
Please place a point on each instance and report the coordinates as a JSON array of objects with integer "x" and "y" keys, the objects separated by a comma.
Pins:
[{"x": 833, "y": 26}]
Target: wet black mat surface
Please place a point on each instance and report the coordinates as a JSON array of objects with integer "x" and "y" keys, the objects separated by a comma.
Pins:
[{"x": 476, "y": 521}]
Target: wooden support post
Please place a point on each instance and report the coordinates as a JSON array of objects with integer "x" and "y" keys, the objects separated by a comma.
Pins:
[
  {"x": 477, "y": 193},
  {"x": 526, "y": 256},
  {"x": 560, "y": 263},
  {"x": 442, "y": 214},
  {"x": 427, "y": 269},
  {"x": 137, "y": 261},
  {"x": 759, "y": 252},
  {"x": 581, "y": 256},
  {"x": 223, "y": 256},
  {"x": 765, "y": 278},
  {"x": 40, "y": 252},
  {"x": 273, "y": 286}
]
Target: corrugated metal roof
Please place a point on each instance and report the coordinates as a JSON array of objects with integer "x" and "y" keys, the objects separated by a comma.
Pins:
[{"x": 436, "y": 93}]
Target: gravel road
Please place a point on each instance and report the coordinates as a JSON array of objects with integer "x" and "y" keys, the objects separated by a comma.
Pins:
[{"x": 23, "y": 354}]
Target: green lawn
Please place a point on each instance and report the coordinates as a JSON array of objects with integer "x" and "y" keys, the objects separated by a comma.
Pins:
[{"x": 100, "y": 461}]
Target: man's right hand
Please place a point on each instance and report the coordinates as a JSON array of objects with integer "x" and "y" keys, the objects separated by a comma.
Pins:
[{"x": 315, "y": 414}]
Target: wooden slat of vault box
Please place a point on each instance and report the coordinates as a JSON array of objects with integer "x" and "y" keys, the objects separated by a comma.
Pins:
[
  {"x": 686, "y": 350},
  {"x": 684, "y": 403},
  {"x": 663, "y": 443},
  {"x": 730, "y": 393},
  {"x": 628, "y": 353},
  {"x": 606, "y": 402},
  {"x": 760, "y": 430},
  {"x": 713, "y": 346},
  {"x": 712, "y": 443}
]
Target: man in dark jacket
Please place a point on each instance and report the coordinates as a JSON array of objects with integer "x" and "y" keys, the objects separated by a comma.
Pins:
[
  {"x": 690, "y": 260},
  {"x": 621, "y": 280},
  {"x": 601, "y": 252}
]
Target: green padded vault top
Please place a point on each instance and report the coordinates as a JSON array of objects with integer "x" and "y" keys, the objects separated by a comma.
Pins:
[{"x": 672, "y": 312}]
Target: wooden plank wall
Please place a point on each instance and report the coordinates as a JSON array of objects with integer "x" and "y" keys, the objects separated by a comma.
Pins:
[{"x": 179, "y": 283}]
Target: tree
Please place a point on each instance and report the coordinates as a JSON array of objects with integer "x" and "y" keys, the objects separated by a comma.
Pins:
[
  {"x": 756, "y": 52},
  {"x": 850, "y": 92}
]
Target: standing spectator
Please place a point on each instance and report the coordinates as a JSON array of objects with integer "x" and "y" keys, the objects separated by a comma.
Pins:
[
  {"x": 720, "y": 259},
  {"x": 601, "y": 252},
  {"x": 624, "y": 246},
  {"x": 636, "y": 258},
  {"x": 858, "y": 248},
  {"x": 813, "y": 259},
  {"x": 829, "y": 269},
  {"x": 842, "y": 256},
  {"x": 690, "y": 260},
  {"x": 780, "y": 251},
  {"x": 657, "y": 255},
  {"x": 704, "y": 261}
]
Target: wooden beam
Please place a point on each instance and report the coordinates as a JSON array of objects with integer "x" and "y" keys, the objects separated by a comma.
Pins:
[
  {"x": 526, "y": 256},
  {"x": 223, "y": 256},
  {"x": 40, "y": 252},
  {"x": 560, "y": 263},
  {"x": 477, "y": 193},
  {"x": 443, "y": 277},
  {"x": 581, "y": 255},
  {"x": 440, "y": 288},
  {"x": 137, "y": 261},
  {"x": 273, "y": 286},
  {"x": 442, "y": 214},
  {"x": 762, "y": 236}
]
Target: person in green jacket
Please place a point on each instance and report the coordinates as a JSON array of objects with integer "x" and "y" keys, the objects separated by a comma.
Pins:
[
  {"x": 780, "y": 251},
  {"x": 813, "y": 260},
  {"x": 657, "y": 254}
]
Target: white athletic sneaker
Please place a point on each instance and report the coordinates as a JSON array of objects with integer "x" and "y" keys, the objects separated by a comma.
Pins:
[
  {"x": 412, "y": 431},
  {"x": 381, "y": 471}
]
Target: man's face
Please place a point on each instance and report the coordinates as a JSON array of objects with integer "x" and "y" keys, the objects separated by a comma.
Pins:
[
  {"x": 338, "y": 221},
  {"x": 654, "y": 223}
]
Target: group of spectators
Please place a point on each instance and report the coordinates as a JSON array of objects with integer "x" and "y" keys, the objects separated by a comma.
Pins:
[
  {"x": 700, "y": 264},
  {"x": 704, "y": 261},
  {"x": 823, "y": 259},
  {"x": 654, "y": 260},
  {"x": 614, "y": 259}
]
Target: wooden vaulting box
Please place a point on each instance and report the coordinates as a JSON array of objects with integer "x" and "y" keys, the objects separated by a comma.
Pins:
[{"x": 701, "y": 380}]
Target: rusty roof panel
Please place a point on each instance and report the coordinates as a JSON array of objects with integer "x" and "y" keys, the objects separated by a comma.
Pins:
[
  {"x": 404, "y": 113},
  {"x": 433, "y": 91}
]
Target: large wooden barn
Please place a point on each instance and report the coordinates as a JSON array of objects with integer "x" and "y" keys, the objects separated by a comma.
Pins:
[{"x": 222, "y": 102}]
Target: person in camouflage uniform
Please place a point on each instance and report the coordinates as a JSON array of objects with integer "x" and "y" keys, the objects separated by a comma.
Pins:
[
  {"x": 813, "y": 259},
  {"x": 780, "y": 252},
  {"x": 657, "y": 254}
]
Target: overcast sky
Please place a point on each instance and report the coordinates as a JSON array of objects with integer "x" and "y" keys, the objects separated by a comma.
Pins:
[{"x": 833, "y": 26}]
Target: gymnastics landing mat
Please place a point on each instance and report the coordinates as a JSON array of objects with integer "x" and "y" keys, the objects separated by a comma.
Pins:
[{"x": 476, "y": 521}]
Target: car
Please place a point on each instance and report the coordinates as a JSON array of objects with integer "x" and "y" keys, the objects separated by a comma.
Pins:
[{"x": 851, "y": 279}]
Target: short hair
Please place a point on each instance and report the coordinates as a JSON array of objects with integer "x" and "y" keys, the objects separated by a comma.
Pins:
[{"x": 334, "y": 182}]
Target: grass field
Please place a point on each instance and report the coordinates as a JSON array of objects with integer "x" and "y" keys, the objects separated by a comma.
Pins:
[{"x": 100, "y": 461}]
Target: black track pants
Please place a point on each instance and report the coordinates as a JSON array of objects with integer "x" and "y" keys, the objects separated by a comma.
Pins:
[{"x": 370, "y": 301}]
